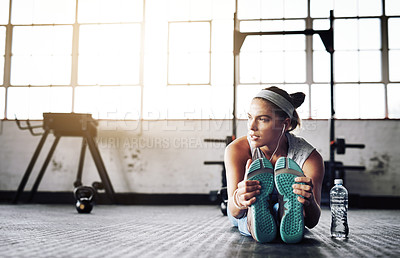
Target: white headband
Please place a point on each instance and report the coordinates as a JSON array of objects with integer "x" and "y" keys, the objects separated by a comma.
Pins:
[{"x": 278, "y": 100}]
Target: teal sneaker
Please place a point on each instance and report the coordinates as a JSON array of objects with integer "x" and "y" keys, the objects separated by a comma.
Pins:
[
  {"x": 260, "y": 220},
  {"x": 292, "y": 220}
]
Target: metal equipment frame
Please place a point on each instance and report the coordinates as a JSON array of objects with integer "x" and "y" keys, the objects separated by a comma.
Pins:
[{"x": 66, "y": 124}]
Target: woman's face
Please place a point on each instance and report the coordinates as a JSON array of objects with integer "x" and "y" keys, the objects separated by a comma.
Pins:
[{"x": 264, "y": 128}]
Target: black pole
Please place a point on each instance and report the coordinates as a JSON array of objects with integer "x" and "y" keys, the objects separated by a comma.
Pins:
[
  {"x": 98, "y": 161},
  {"x": 332, "y": 120},
  {"x": 30, "y": 167},
  {"x": 43, "y": 169},
  {"x": 236, "y": 51},
  {"x": 78, "y": 181}
]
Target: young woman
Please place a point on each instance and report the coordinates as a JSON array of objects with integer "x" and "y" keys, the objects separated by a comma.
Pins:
[{"x": 274, "y": 178}]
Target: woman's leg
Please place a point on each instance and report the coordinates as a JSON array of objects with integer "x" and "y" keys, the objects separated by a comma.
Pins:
[{"x": 241, "y": 224}]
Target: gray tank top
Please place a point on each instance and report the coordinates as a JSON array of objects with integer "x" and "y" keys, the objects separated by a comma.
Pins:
[{"x": 299, "y": 149}]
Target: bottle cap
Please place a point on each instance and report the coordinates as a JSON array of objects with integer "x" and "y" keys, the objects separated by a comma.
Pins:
[{"x": 338, "y": 181}]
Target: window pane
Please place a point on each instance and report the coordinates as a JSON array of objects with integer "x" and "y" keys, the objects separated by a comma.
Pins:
[
  {"x": 18, "y": 102},
  {"x": 2, "y": 40},
  {"x": 359, "y": 101},
  {"x": 278, "y": 64},
  {"x": 394, "y": 65},
  {"x": 189, "y": 36},
  {"x": 253, "y": 9},
  {"x": 103, "y": 102},
  {"x": 222, "y": 39},
  {"x": 41, "y": 55},
  {"x": 321, "y": 24},
  {"x": 61, "y": 99},
  {"x": 268, "y": 9},
  {"x": 295, "y": 66},
  {"x": 321, "y": 66},
  {"x": 250, "y": 67},
  {"x": 60, "y": 70},
  {"x": 2, "y": 69},
  {"x": 393, "y": 92},
  {"x": 346, "y": 8},
  {"x": 347, "y": 101},
  {"x": 294, "y": 8},
  {"x": 109, "y": 54},
  {"x": 178, "y": 10},
  {"x": 224, "y": 74},
  {"x": 43, "y": 11},
  {"x": 189, "y": 51},
  {"x": 372, "y": 101},
  {"x": 269, "y": 43},
  {"x": 119, "y": 102},
  {"x": 392, "y": 7},
  {"x": 346, "y": 66},
  {"x": 201, "y": 9},
  {"x": 320, "y": 8},
  {"x": 41, "y": 65},
  {"x": 21, "y": 72},
  {"x": 178, "y": 70},
  {"x": 272, "y": 9},
  {"x": 294, "y": 42},
  {"x": 86, "y": 100},
  {"x": 272, "y": 70},
  {"x": 199, "y": 64},
  {"x": 2, "y": 51},
  {"x": 2, "y": 101},
  {"x": 104, "y": 11},
  {"x": 370, "y": 66},
  {"x": 274, "y": 25},
  {"x": 370, "y": 34},
  {"x": 369, "y": 7},
  {"x": 45, "y": 40},
  {"x": 4, "y": 8},
  {"x": 223, "y": 10},
  {"x": 394, "y": 36},
  {"x": 32, "y": 102},
  {"x": 40, "y": 70},
  {"x": 320, "y": 101},
  {"x": 346, "y": 34}
]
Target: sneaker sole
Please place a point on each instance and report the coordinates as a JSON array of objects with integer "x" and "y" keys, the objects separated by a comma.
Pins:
[
  {"x": 292, "y": 223},
  {"x": 263, "y": 223}
]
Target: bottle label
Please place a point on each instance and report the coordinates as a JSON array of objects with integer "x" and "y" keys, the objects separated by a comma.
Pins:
[{"x": 338, "y": 201}]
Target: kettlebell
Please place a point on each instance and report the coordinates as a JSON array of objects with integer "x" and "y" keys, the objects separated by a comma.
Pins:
[{"x": 84, "y": 198}]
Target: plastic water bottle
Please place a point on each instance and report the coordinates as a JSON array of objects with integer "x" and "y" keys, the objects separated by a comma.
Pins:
[{"x": 339, "y": 206}]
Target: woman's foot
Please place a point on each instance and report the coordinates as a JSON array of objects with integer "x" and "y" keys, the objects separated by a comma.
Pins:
[
  {"x": 292, "y": 220},
  {"x": 260, "y": 221}
]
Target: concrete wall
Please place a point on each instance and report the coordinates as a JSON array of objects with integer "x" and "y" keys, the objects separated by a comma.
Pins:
[{"x": 167, "y": 156}]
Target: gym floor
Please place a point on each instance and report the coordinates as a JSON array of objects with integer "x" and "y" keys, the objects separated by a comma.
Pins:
[{"x": 36, "y": 230}]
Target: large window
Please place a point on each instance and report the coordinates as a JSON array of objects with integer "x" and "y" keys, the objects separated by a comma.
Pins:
[
  {"x": 63, "y": 62},
  {"x": 173, "y": 59},
  {"x": 188, "y": 66},
  {"x": 366, "y": 70}
]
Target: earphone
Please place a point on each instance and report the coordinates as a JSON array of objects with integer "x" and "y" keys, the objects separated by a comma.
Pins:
[{"x": 279, "y": 140}]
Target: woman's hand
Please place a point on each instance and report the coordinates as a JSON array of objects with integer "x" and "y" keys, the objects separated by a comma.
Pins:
[
  {"x": 247, "y": 190},
  {"x": 304, "y": 190}
]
